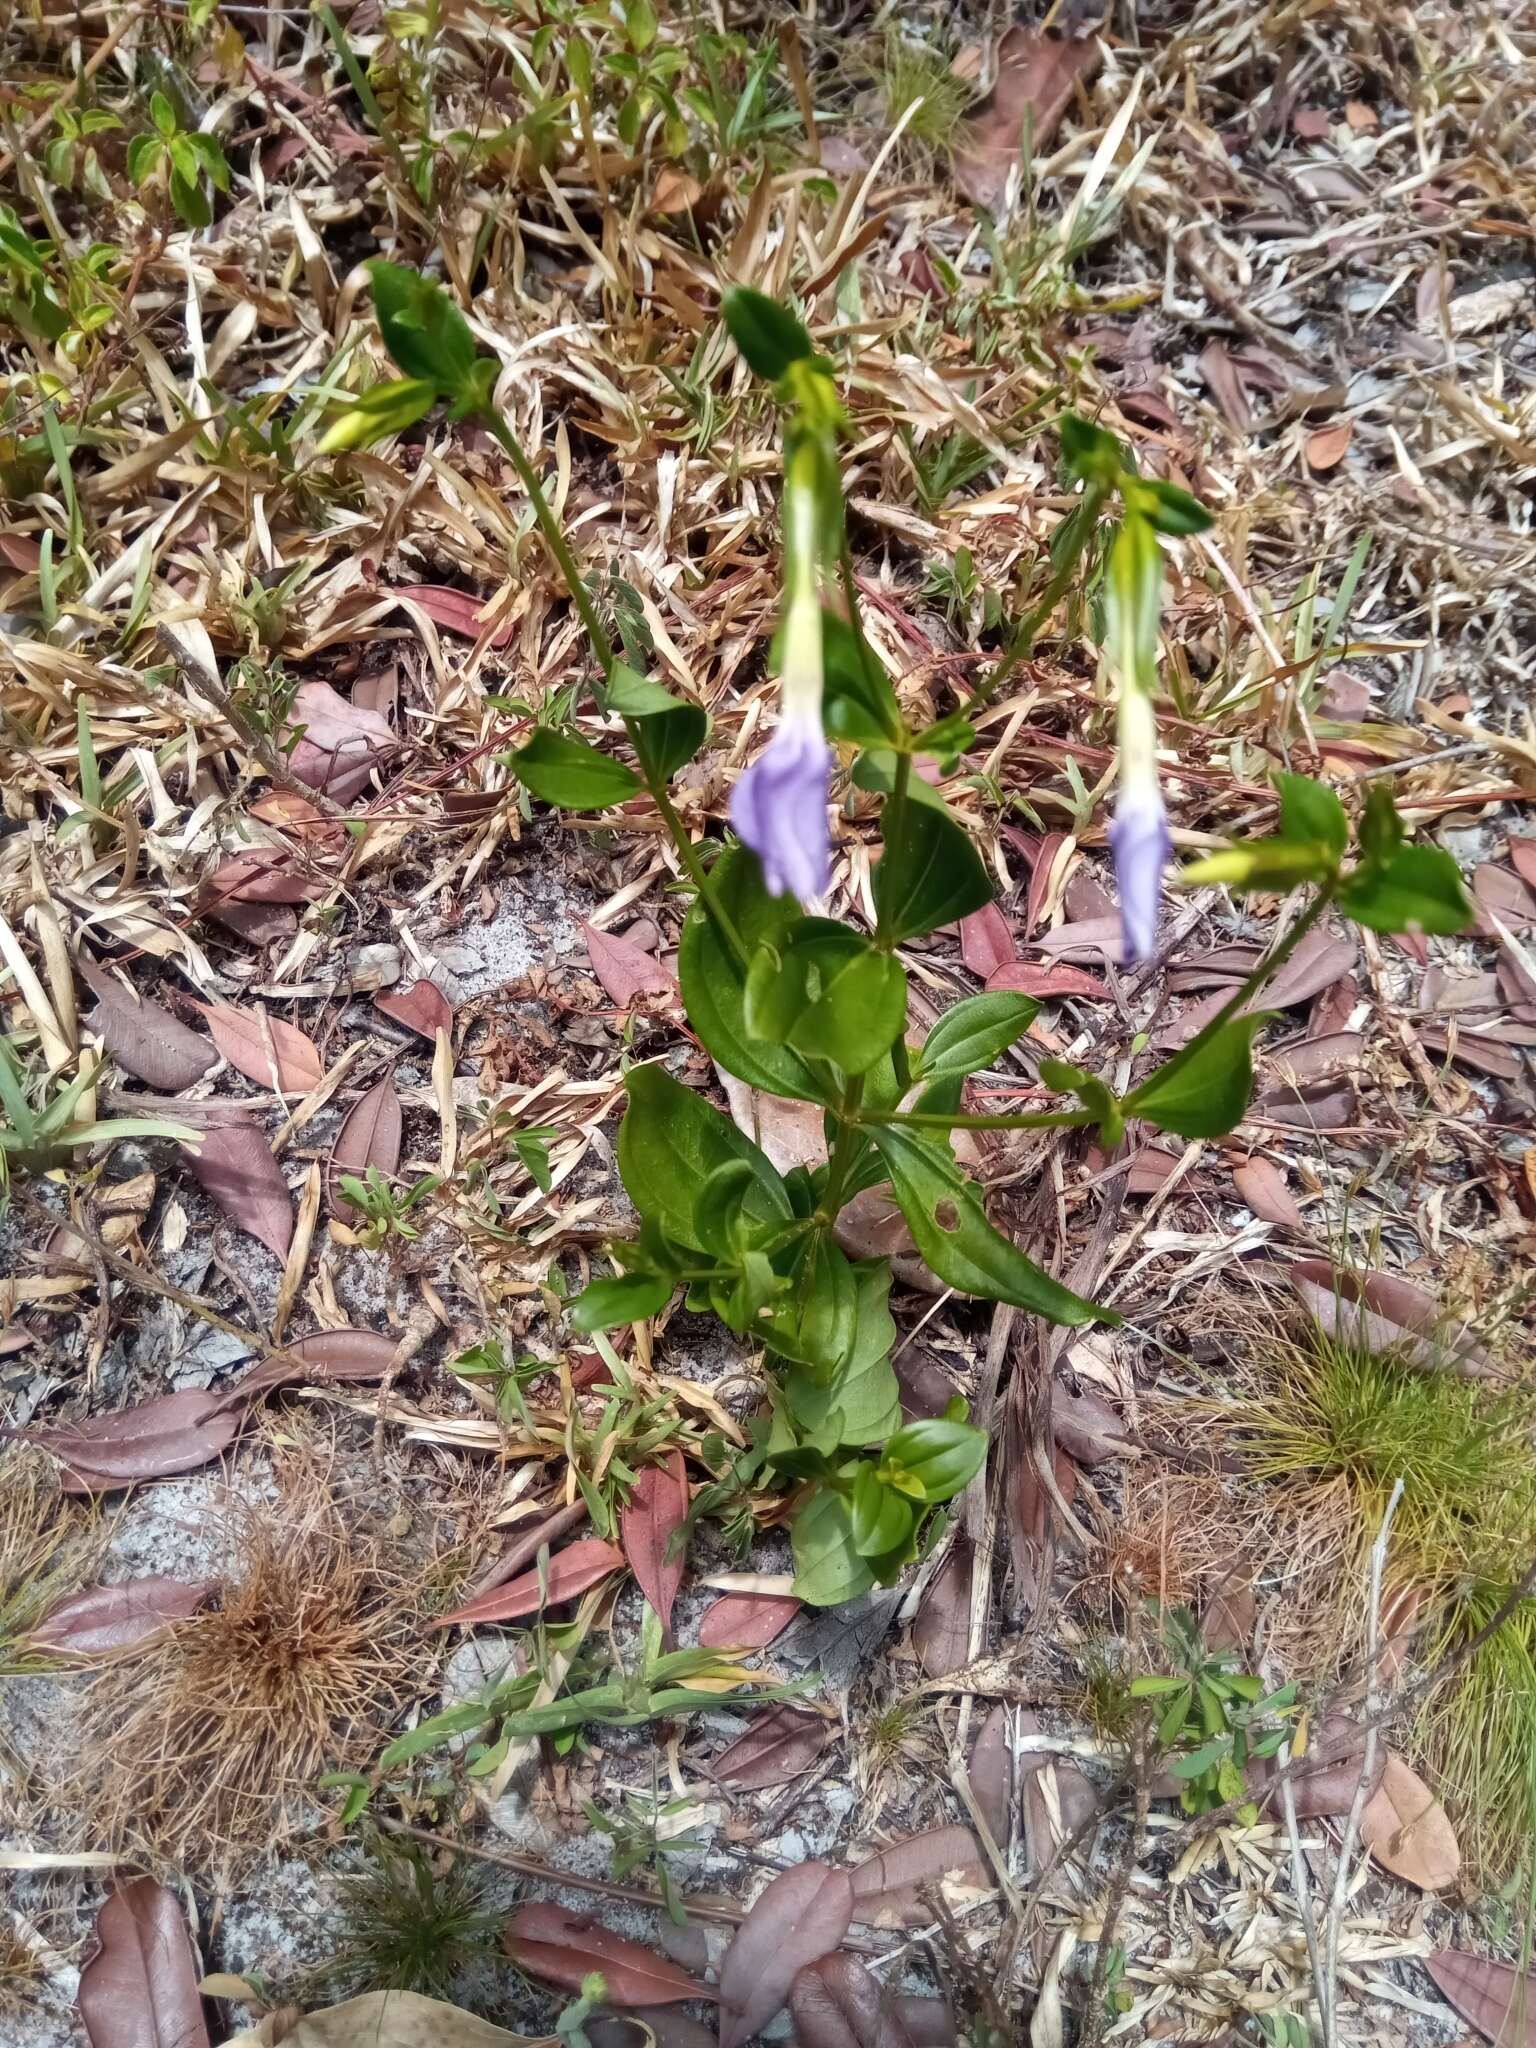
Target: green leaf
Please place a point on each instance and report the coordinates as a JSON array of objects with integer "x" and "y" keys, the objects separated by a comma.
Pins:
[
  {"x": 671, "y": 1140},
  {"x": 423, "y": 329},
  {"x": 713, "y": 983},
  {"x": 1206, "y": 1095},
  {"x": 972, "y": 1034},
  {"x": 770, "y": 337},
  {"x": 190, "y": 201},
  {"x": 624, "y": 1298},
  {"x": 864, "y": 1390},
  {"x": 162, "y": 114},
  {"x": 1087, "y": 452},
  {"x": 857, "y": 701},
  {"x": 384, "y": 409},
  {"x": 828, "y": 1568},
  {"x": 816, "y": 1328},
  {"x": 883, "y": 1521},
  {"x": 950, "y": 1229},
  {"x": 1309, "y": 811},
  {"x": 571, "y": 774},
  {"x": 1381, "y": 826},
  {"x": 1092, "y": 1093},
  {"x": 828, "y": 993},
  {"x": 929, "y": 874},
  {"x": 1415, "y": 889},
  {"x": 933, "y": 1460},
  {"x": 667, "y": 730},
  {"x": 1169, "y": 508},
  {"x": 875, "y": 770},
  {"x": 1200, "y": 1759},
  {"x": 1262, "y": 864}
]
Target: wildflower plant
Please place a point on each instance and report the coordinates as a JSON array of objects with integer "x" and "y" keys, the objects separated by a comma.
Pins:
[{"x": 813, "y": 1008}]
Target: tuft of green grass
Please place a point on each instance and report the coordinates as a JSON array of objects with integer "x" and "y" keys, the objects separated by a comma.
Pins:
[
  {"x": 409, "y": 1927},
  {"x": 913, "y": 71},
  {"x": 1463, "y": 1535}
]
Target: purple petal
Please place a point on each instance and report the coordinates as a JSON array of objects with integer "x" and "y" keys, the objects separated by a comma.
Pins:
[
  {"x": 1139, "y": 840},
  {"x": 779, "y": 808}
]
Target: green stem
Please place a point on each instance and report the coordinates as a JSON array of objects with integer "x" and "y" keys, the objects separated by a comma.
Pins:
[
  {"x": 559, "y": 547},
  {"x": 848, "y": 1144},
  {"x": 1044, "y": 1120},
  {"x": 893, "y": 820},
  {"x": 1023, "y": 643}
]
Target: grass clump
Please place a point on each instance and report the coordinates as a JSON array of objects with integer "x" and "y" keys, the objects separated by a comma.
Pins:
[
  {"x": 412, "y": 1927},
  {"x": 1463, "y": 1536},
  {"x": 915, "y": 72},
  {"x": 48, "y": 1548}
]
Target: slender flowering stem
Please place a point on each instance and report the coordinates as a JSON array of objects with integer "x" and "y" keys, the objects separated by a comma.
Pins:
[{"x": 1044, "y": 1120}]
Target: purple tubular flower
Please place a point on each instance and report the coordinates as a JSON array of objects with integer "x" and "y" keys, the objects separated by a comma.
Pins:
[
  {"x": 779, "y": 808},
  {"x": 1138, "y": 838}
]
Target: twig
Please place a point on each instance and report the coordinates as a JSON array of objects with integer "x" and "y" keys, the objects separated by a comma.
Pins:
[
  {"x": 1330, "y": 1985},
  {"x": 207, "y": 684},
  {"x": 1119, "y": 1885},
  {"x": 1301, "y": 1886}
]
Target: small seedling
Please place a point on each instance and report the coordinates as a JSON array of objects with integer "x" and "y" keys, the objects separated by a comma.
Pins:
[
  {"x": 185, "y": 162},
  {"x": 38, "y": 1129},
  {"x": 383, "y": 1210},
  {"x": 1213, "y": 1720}
]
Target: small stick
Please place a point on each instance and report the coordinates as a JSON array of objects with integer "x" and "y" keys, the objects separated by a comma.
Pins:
[{"x": 208, "y": 685}]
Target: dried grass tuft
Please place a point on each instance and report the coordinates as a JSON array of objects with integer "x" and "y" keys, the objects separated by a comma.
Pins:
[
  {"x": 48, "y": 1546},
  {"x": 321, "y": 1634}
]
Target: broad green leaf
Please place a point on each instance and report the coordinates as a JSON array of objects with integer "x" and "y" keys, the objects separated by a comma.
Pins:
[
  {"x": 667, "y": 730},
  {"x": 1310, "y": 811},
  {"x": 571, "y": 774},
  {"x": 974, "y": 1033},
  {"x": 828, "y": 1568},
  {"x": 929, "y": 874},
  {"x": 769, "y": 336},
  {"x": 190, "y": 200},
  {"x": 827, "y": 993},
  {"x": 1088, "y": 452},
  {"x": 1381, "y": 825},
  {"x": 817, "y": 1325},
  {"x": 863, "y": 1390},
  {"x": 875, "y": 770},
  {"x": 670, "y": 1141},
  {"x": 623, "y": 1298},
  {"x": 882, "y": 1521},
  {"x": 385, "y": 409},
  {"x": 950, "y": 1229},
  {"x": 422, "y": 328},
  {"x": 1262, "y": 864},
  {"x": 1415, "y": 889},
  {"x": 934, "y": 1459},
  {"x": 1169, "y": 508},
  {"x": 713, "y": 983},
  {"x": 1207, "y": 1094},
  {"x": 857, "y": 701}
]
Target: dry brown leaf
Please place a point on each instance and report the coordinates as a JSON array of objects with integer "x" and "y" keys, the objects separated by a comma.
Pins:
[
  {"x": 836, "y": 2003},
  {"x": 370, "y": 1135},
  {"x": 338, "y": 743},
  {"x": 1408, "y": 1832},
  {"x": 991, "y": 1774},
  {"x": 625, "y": 969},
  {"x": 887, "y": 1886},
  {"x": 139, "y": 1990},
  {"x": 571, "y": 1571},
  {"x": 941, "y": 1632},
  {"x": 746, "y": 1621},
  {"x": 422, "y": 1008},
  {"x": 1327, "y": 446},
  {"x": 1261, "y": 1187},
  {"x": 173, "y": 1433},
  {"x": 801, "y": 1917},
  {"x": 107, "y": 1618},
  {"x": 265, "y": 1049},
  {"x": 1385, "y": 1313},
  {"x": 655, "y": 1512},
  {"x": 1036, "y": 76},
  {"x": 564, "y": 1947},
  {"x": 155, "y": 1047},
  {"x": 986, "y": 941},
  {"x": 781, "y": 1743},
  {"x": 1493, "y": 1997},
  {"x": 234, "y": 1165}
]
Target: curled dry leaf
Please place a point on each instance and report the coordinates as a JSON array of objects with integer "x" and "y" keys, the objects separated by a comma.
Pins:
[
  {"x": 1408, "y": 1832},
  {"x": 1496, "y": 1999},
  {"x": 144, "y": 1039},
  {"x": 887, "y": 1887},
  {"x": 139, "y": 1990},
  {"x": 422, "y": 1008},
  {"x": 625, "y": 969},
  {"x": 1057, "y": 1798},
  {"x": 746, "y": 1621},
  {"x": 337, "y": 743},
  {"x": 1035, "y": 78},
  {"x": 175, "y": 1433},
  {"x": 370, "y": 1135},
  {"x": 107, "y": 1618},
  {"x": 986, "y": 941},
  {"x": 456, "y": 611},
  {"x": 563, "y": 1947},
  {"x": 1381, "y": 1313},
  {"x": 1261, "y": 1187},
  {"x": 781, "y": 1743},
  {"x": 234, "y": 1165},
  {"x": 656, "y": 1511},
  {"x": 265, "y": 1049},
  {"x": 836, "y": 2003},
  {"x": 1327, "y": 446},
  {"x": 800, "y": 1917},
  {"x": 571, "y": 1571},
  {"x": 941, "y": 1632},
  {"x": 259, "y": 874}
]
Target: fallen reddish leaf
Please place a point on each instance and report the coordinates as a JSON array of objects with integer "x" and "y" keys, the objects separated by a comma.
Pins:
[
  {"x": 563, "y": 1947},
  {"x": 1326, "y": 1791},
  {"x": 991, "y": 1775},
  {"x": 20, "y": 551},
  {"x": 986, "y": 941},
  {"x": 1310, "y": 123},
  {"x": 1261, "y": 1186},
  {"x": 887, "y": 1887},
  {"x": 259, "y": 874},
  {"x": 1049, "y": 983},
  {"x": 456, "y": 611},
  {"x": 941, "y": 1632},
  {"x": 571, "y": 1571},
  {"x": 1321, "y": 1106},
  {"x": 836, "y": 2003},
  {"x": 370, "y": 1135},
  {"x": 1040, "y": 878},
  {"x": 265, "y": 1049},
  {"x": 139, "y": 1990},
  {"x": 1406, "y": 1829},
  {"x": 289, "y": 812},
  {"x": 235, "y": 1167},
  {"x": 1385, "y": 1313},
  {"x": 173, "y": 1433},
  {"x": 422, "y": 1008},
  {"x": 656, "y": 1510},
  {"x": 675, "y": 191},
  {"x": 1095, "y": 938},
  {"x": 324, "y": 1355},
  {"x": 625, "y": 969},
  {"x": 155, "y": 1047},
  {"x": 1057, "y": 1799},
  {"x": 1505, "y": 895},
  {"x": 1035, "y": 77},
  {"x": 801, "y": 1917},
  {"x": 339, "y": 743},
  {"x": 104, "y": 1618},
  {"x": 1229, "y": 1617},
  {"x": 782, "y": 1743},
  {"x": 1522, "y": 856},
  {"x": 746, "y": 1621},
  {"x": 1327, "y": 446},
  {"x": 1085, "y": 1424},
  {"x": 929, "y": 2021},
  {"x": 1497, "y": 1999}
]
